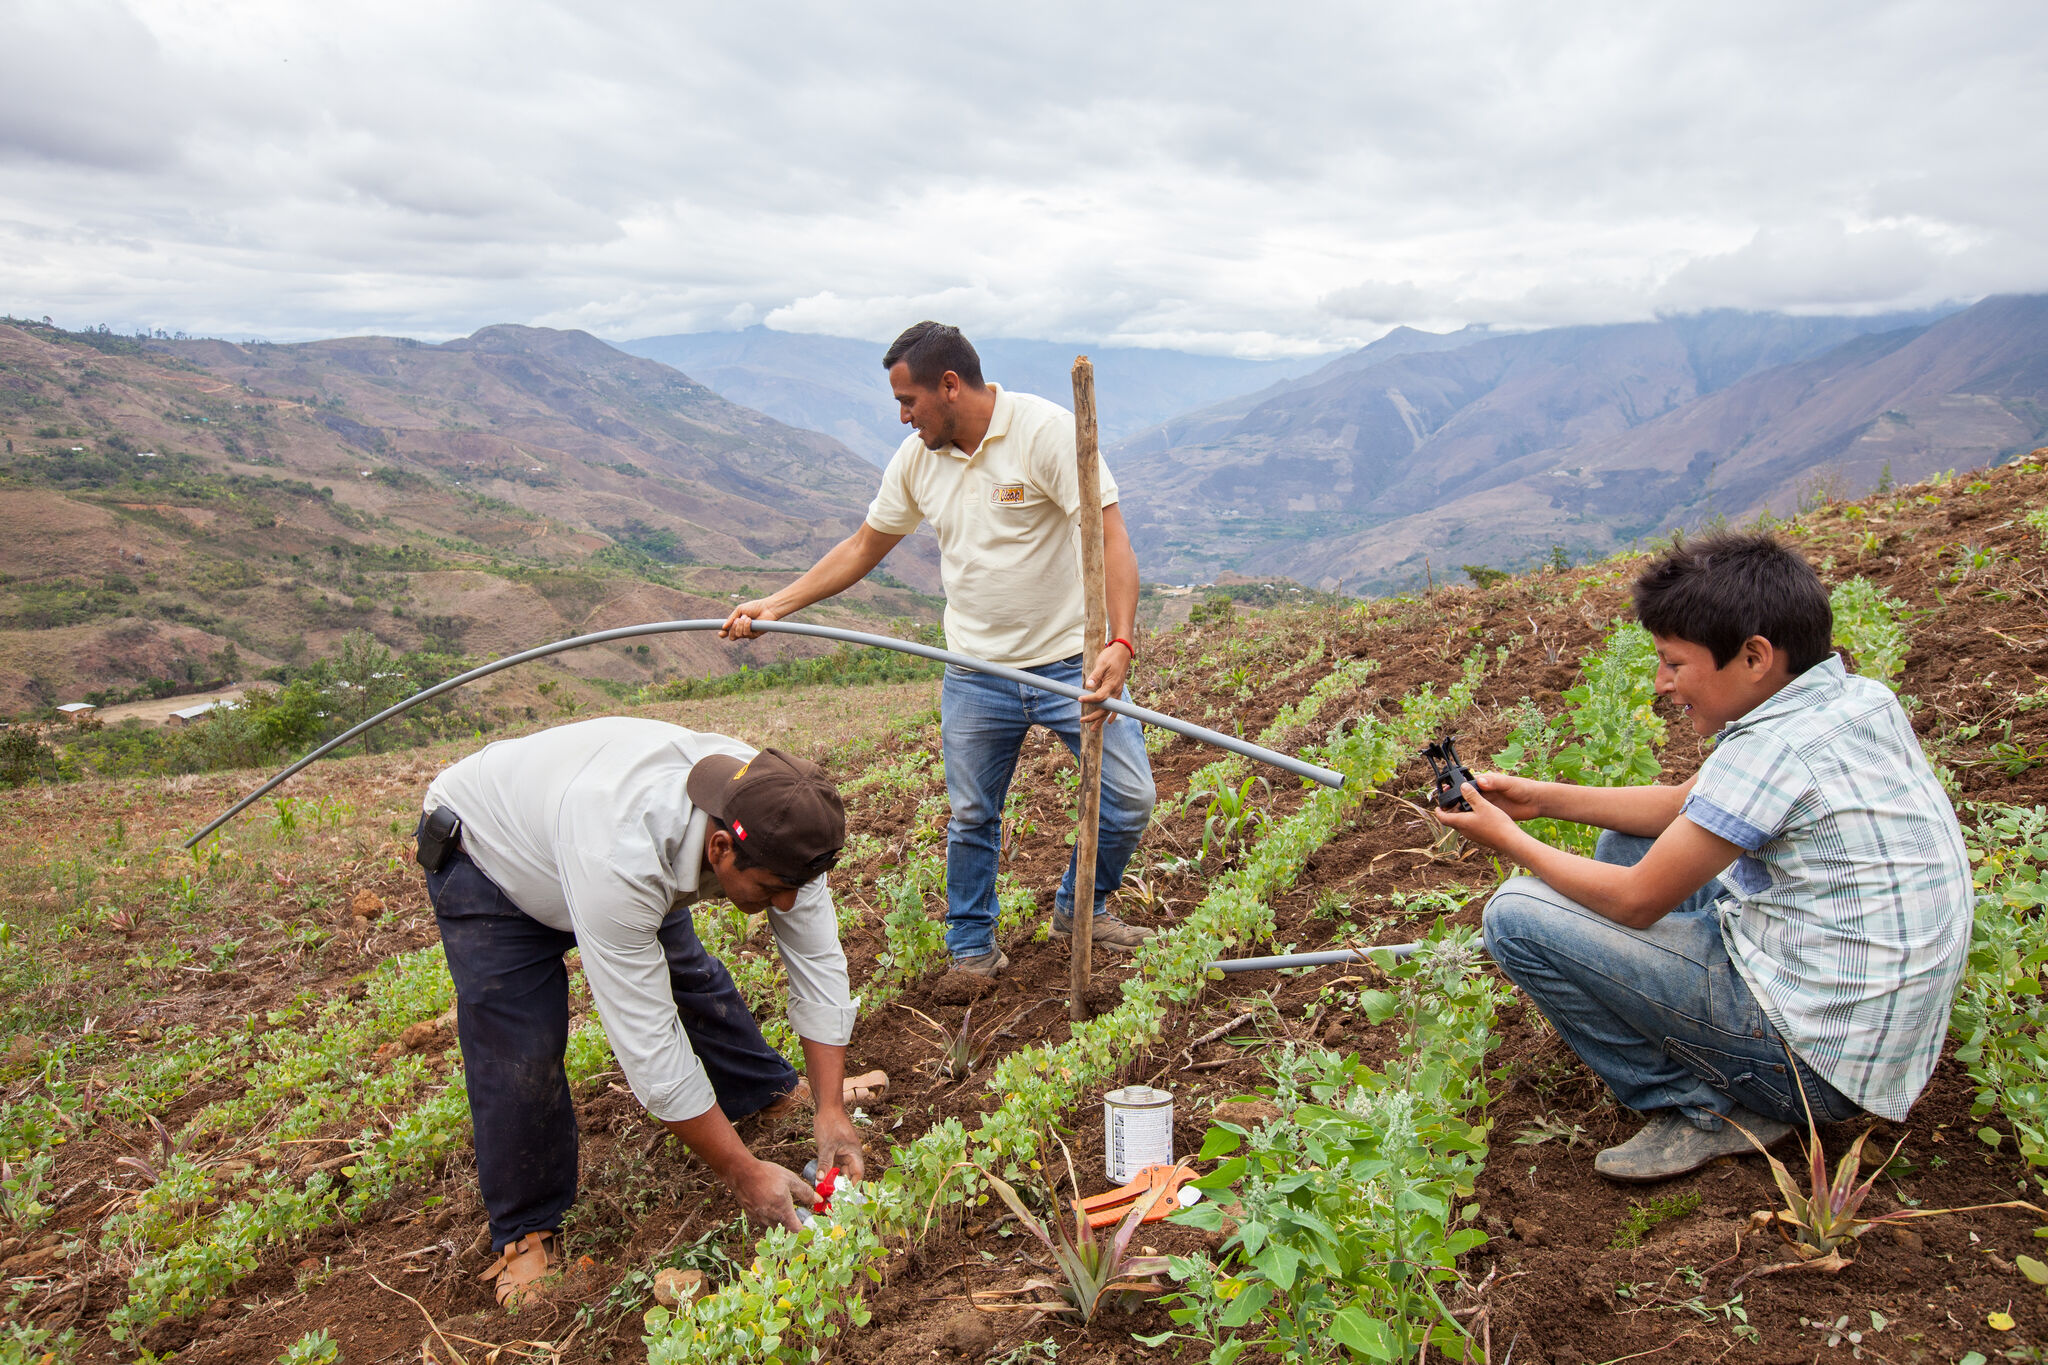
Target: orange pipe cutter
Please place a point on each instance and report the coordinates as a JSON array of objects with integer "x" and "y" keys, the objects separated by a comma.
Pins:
[{"x": 1103, "y": 1210}]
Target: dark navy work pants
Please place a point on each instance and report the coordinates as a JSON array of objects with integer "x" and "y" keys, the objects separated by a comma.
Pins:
[{"x": 512, "y": 1018}]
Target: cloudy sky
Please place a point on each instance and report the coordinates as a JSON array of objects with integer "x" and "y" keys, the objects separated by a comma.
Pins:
[{"x": 1238, "y": 178}]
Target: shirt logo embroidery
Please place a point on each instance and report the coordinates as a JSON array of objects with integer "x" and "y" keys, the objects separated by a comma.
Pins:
[{"x": 1007, "y": 495}]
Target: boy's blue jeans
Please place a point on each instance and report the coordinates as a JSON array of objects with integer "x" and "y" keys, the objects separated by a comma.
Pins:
[
  {"x": 1660, "y": 1014},
  {"x": 982, "y": 723}
]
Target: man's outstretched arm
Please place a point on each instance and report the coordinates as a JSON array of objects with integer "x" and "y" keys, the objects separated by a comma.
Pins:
[{"x": 842, "y": 566}]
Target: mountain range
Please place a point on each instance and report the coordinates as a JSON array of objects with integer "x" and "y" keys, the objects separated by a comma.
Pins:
[
  {"x": 836, "y": 384},
  {"x": 1422, "y": 452},
  {"x": 168, "y": 499}
]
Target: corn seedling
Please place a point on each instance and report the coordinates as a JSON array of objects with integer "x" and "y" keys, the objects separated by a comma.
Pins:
[
  {"x": 1090, "y": 1269},
  {"x": 1232, "y": 818}
]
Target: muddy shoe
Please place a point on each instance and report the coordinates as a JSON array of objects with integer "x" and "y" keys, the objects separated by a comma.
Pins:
[
  {"x": 519, "y": 1268},
  {"x": 1669, "y": 1145},
  {"x": 990, "y": 964},
  {"x": 1109, "y": 932}
]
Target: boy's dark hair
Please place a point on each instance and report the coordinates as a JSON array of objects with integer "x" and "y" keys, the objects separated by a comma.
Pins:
[
  {"x": 1720, "y": 589},
  {"x": 931, "y": 349}
]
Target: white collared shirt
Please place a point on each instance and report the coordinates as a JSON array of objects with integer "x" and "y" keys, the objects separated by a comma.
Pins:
[
  {"x": 1009, "y": 542},
  {"x": 588, "y": 829}
]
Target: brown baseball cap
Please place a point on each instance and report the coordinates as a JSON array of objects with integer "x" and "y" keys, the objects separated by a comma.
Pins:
[{"x": 783, "y": 810}]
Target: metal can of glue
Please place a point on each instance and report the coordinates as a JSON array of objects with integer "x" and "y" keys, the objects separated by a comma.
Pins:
[{"x": 1137, "y": 1131}]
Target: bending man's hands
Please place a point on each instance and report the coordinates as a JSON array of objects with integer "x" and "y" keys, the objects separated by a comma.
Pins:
[
  {"x": 838, "y": 1144},
  {"x": 772, "y": 1194}
]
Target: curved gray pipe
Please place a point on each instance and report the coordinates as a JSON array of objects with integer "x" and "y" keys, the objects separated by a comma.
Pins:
[{"x": 1235, "y": 745}]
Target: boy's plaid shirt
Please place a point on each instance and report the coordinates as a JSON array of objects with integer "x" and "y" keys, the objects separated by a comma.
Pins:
[{"x": 1850, "y": 917}]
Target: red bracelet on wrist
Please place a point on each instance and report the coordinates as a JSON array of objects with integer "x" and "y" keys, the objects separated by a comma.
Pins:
[{"x": 1120, "y": 640}]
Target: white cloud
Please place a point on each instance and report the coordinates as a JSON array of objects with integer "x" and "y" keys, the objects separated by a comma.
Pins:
[{"x": 1225, "y": 177}]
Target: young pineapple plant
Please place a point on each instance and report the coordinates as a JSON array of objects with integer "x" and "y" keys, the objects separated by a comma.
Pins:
[
  {"x": 1824, "y": 1222},
  {"x": 1091, "y": 1269}
]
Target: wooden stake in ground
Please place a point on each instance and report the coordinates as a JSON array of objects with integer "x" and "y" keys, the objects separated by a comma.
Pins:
[{"x": 1082, "y": 969}]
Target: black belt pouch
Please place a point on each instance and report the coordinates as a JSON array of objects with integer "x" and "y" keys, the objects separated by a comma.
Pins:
[{"x": 439, "y": 834}]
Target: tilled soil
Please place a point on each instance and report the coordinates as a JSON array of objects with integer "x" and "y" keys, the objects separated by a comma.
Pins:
[{"x": 1551, "y": 1285}]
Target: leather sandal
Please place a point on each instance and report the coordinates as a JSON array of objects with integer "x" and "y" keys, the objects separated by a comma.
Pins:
[
  {"x": 865, "y": 1089},
  {"x": 519, "y": 1267},
  {"x": 871, "y": 1088}
]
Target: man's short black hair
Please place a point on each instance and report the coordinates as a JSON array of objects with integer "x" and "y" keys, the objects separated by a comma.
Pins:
[
  {"x": 931, "y": 349},
  {"x": 742, "y": 857},
  {"x": 1720, "y": 589}
]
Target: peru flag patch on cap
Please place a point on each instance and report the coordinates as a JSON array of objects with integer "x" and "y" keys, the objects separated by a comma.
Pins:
[{"x": 739, "y": 830}]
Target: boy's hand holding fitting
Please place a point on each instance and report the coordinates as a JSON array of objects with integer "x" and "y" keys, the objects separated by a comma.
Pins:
[{"x": 1487, "y": 824}]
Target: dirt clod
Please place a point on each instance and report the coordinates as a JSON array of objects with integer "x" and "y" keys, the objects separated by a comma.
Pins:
[
  {"x": 673, "y": 1288},
  {"x": 1247, "y": 1113},
  {"x": 969, "y": 1334},
  {"x": 419, "y": 1035},
  {"x": 961, "y": 988},
  {"x": 366, "y": 905}
]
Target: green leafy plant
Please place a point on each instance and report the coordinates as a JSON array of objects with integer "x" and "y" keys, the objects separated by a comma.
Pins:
[
  {"x": 21, "y": 1344},
  {"x": 1608, "y": 737},
  {"x": 2001, "y": 1009},
  {"x": 24, "y": 1186},
  {"x": 317, "y": 1347},
  {"x": 1347, "y": 1214},
  {"x": 1867, "y": 625},
  {"x": 1642, "y": 1217},
  {"x": 2036, "y": 520}
]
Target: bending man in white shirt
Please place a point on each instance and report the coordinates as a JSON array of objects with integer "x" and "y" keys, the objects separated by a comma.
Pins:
[{"x": 599, "y": 836}]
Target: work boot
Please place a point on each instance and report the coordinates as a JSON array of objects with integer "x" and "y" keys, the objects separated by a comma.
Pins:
[
  {"x": 519, "y": 1267},
  {"x": 990, "y": 964},
  {"x": 1110, "y": 931},
  {"x": 1670, "y": 1144}
]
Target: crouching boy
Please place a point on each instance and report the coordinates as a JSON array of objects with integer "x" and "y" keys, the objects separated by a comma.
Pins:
[{"x": 1784, "y": 930}]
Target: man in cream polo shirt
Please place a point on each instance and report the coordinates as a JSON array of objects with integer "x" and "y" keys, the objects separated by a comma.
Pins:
[{"x": 994, "y": 472}]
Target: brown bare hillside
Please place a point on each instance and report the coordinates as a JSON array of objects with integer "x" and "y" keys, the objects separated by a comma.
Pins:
[{"x": 476, "y": 497}]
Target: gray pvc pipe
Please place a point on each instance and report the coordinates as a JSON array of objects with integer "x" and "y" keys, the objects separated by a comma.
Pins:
[
  {"x": 1235, "y": 745},
  {"x": 1327, "y": 958}
]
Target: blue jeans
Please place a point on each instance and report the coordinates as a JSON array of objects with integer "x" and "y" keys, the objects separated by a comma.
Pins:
[
  {"x": 982, "y": 723},
  {"x": 1660, "y": 1014},
  {"x": 512, "y": 1020}
]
